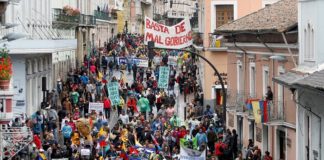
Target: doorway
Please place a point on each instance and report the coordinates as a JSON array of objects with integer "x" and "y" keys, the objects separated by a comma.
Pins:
[
  {"x": 240, "y": 131},
  {"x": 281, "y": 135}
]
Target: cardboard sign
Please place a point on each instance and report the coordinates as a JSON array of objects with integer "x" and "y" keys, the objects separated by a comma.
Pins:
[
  {"x": 113, "y": 91},
  {"x": 98, "y": 107},
  {"x": 141, "y": 62},
  {"x": 164, "y": 77},
  {"x": 174, "y": 37}
]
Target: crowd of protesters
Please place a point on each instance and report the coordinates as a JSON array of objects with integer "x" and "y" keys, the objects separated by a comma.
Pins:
[{"x": 147, "y": 125}]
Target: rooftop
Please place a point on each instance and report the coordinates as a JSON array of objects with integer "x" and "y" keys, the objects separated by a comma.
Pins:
[
  {"x": 315, "y": 80},
  {"x": 279, "y": 17}
]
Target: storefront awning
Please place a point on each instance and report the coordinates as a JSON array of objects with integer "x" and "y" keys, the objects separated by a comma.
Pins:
[{"x": 40, "y": 46}]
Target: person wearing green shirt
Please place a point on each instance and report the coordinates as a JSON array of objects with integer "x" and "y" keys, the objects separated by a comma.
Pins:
[
  {"x": 175, "y": 121},
  {"x": 75, "y": 97},
  {"x": 144, "y": 105}
]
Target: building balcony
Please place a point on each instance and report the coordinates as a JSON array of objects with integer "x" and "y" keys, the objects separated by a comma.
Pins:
[
  {"x": 87, "y": 20},
  {"x": 63, "y": 20},
  {"x": 277, "y": 110},
  {"x": 216, "y": 43},
  {"x": 235, "y": 100},
  {"x": 102, "y": 15}
]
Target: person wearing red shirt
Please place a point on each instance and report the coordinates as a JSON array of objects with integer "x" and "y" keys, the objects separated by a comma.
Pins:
[
  {"x": 182, "y": 133},
  {"x": 37, "y": 141},
  {"x": 131, "y": 104},
  {"x": 267, "y": 156},
  {"x": 219, "y": 148},
  {"x": 107, "y": 107}
]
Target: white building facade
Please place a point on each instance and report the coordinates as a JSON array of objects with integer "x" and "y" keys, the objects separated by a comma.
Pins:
[
  {"x": 307, "y": 81},
  {"x": 309, "y": 97},
  {"x": 35, "y": 56}
]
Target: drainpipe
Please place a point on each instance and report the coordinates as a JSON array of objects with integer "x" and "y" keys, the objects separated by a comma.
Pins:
[
  {"x": 289, "y": 50},
  {"x": 244, "y": 71}
]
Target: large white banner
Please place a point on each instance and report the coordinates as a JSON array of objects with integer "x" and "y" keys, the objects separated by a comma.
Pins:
[
  {"x": 174, "y": 37},
  {"x": 190, "y": 154}
]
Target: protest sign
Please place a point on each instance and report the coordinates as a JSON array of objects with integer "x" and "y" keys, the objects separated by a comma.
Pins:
[
  {"x": 122, "y": 60},
  {"x": 98, "y": 107},
  {"x": 113, "y": 91},
  {"x": 172, "y": 60},
  {"x": 164, "y": 77},
  {"x": 171, "y": 37},
  {"x": 190, "y": 154},
  {"x": 140, "y": 62}
]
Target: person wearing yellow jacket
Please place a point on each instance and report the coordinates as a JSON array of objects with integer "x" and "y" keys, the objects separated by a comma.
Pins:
[{"x": 121, "y": 105}]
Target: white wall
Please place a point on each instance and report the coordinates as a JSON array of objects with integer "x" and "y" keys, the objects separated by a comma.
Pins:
[
  {"x": 311, "y": 12},
  {"x": 19, "y": 84},
  {"x": 313, "y": 103}
]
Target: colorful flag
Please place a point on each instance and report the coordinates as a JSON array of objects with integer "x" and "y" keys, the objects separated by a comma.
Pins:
[
  {"x": 256, "y": 111},
  {"x": 249, "y": 104},
  {"x": 264, "y": 111}
]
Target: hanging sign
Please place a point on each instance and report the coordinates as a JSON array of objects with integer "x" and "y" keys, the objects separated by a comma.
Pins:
[
  {"x": 113, "y": 91},
  {"x": 164, "y": 77},
  {"x": 174, "y": 37}
]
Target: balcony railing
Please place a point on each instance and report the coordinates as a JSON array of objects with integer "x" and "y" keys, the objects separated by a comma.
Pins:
[
  {"x": 216, "y": 41},
  {"x": 72, "y": 21},
  {"x": 102, "y": 15},
  {"x": 277, "y": 110},
  {"x": 60, "y": 16},
  {"x": 235, "y": 100},
  {"x": 13, "y": 140},
  {"x": 87, "y": 20}
]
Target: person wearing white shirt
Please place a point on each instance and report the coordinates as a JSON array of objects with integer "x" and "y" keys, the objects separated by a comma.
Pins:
[{"x": 124, "y": 117}]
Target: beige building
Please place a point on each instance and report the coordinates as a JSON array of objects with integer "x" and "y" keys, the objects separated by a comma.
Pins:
[
  {"x": 213, "y": 14},
  {"x": 261, "y": 46}
]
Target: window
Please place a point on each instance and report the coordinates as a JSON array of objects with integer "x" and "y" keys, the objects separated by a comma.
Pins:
[
  {"x": 309, "y": 41},
  {"x": 280, "y": 103},
  {"x": 239, "y": 75},
  {"x": 252, "y": 80},
  {"x": 251, "y": 130},
  {"x": 265, "y": 79},
  {"x": 224, "y": 14}
]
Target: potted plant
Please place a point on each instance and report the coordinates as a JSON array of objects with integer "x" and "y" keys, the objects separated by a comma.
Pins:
[{"x": 5, "y": 69}]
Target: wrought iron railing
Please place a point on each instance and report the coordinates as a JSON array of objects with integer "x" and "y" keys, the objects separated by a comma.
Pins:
[
  {"x": 277, "y": 110},
  {"x": 13, "y": 140},
  {"x": 81, "y": 19},
  {"x": 102, "y": 15},
  {"x": 215, "y": 41},
  {"x": 60, "y": 16}
]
